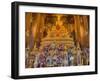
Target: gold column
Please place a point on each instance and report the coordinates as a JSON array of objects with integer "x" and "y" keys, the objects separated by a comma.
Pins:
[
  {"x": 27, "y": 28},
  {"x": 77, "y": 27}
]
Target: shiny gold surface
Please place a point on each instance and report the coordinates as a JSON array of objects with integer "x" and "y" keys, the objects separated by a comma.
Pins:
[{"x": 42, "y": 29}]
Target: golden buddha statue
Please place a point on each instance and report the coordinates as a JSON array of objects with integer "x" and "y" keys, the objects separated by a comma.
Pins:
[{"x": 58, "y": 34}]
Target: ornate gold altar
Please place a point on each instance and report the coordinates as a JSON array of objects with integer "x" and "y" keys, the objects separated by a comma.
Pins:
[{"x": 58, "y": 35}]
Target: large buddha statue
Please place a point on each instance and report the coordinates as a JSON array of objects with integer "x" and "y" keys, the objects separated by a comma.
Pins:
[
  {"x": 58, "y": 34},
  {"x": 58, "y": 31}
]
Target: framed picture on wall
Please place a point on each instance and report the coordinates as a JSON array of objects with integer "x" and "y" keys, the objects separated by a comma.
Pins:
[{"x": 51, "y": 40}]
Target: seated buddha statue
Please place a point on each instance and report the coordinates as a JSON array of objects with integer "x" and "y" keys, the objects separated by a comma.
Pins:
[
  {"x": 58, "y": 31},
  {"x": 58, "y": 34}
]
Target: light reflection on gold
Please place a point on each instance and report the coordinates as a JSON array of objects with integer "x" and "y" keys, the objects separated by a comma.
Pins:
[{"x": 72, "y": 33}]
